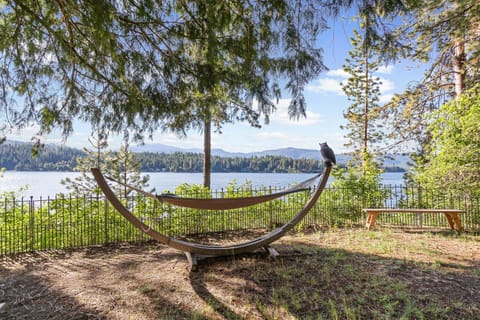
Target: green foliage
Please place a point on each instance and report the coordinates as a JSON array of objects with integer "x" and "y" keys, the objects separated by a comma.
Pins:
[
  {"x": 453, "y": 162},
  {"x": 192, "y": 162},
  {"x": 187, "y": 221},
  {"x": 364, "y": 117},
  {"x": 352, "y": 190},
  {"x": 70, "y": 222},
  {"x": 67, "y": 222},
  {"x": 156, "y": 64},
  {"x": 121, "y": 166},
  {"x": 443, "y": 36}
]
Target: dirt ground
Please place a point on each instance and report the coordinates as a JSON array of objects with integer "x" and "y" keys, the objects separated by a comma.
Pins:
[{"x": 343, "y": 274}]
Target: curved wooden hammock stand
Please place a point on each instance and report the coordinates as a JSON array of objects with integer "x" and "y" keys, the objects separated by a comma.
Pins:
[{"x": 195, "y": 251}]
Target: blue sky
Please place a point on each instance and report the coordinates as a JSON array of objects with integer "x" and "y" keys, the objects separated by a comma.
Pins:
[{"x": 325, "y": 100}]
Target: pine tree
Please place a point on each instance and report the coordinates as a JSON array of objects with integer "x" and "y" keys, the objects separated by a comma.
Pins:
[
  {"x": 364, "y": 129},
  {"x": 97, "y": 157},
  {"x": 126, "y": 169},
  {"x": 122, "y": 166},
  {"x": 444, "y": 37}
]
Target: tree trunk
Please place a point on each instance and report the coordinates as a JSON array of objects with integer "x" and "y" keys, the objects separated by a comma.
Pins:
[
  {"x": 366, "y": 113},
  {"x": 207, "y": 152},
  {"x": 459, "y": 67}
]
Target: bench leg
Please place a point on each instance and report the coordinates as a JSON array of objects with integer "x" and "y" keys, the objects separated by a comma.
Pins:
[
  {"x": 367, "y": 222},
  {"x": 451, "y": 223},
  {"x": 456, "y": 220},
  {"x": 271, "y": 252},
  {"x": 371, "y": 218}
]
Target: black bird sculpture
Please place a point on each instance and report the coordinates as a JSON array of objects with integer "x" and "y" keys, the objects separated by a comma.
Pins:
[{"x": 327, "y": 154}]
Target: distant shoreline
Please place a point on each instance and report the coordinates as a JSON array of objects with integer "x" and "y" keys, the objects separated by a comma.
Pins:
[{"x": 389, "y": 169}]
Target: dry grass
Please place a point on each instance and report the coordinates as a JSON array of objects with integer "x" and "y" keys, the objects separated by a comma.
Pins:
[{"x": 333, "y": 274}]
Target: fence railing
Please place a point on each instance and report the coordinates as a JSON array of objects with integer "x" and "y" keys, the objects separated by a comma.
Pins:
[{"x": 29, "y": 224}]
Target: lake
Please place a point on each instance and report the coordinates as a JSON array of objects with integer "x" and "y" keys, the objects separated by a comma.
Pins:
[{"x": 47, "y": 184}]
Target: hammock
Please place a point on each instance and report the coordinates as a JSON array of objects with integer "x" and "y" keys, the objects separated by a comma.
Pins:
[
  {"x": 219, "y": 203},
  {"x": 195, "y": 251},
  {"x": 191, "y": 248}
]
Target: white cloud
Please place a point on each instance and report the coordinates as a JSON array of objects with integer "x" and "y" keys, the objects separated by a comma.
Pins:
[
  {"x": 385, "y": 69},
  {"x": 331, "y": 83},
  {"x": 387, "y": 85},
  {"x": 327, "y": 85},
  {"x": 338, "y": 73},
  {"x": 281, "y": 116},
  {"x": 385, "y": 98},
  {"x": 271, "y": 135}
]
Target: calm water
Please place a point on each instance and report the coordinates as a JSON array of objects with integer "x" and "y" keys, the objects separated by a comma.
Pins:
[{"x": 44, "y": 184}]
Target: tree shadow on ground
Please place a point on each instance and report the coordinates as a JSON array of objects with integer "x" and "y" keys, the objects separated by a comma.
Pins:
[
  {"x": 198, "y": 280},
  {"x": 308, "y": 281},
  {"x": 91, "y": 283},
  {"x": 24, "y": 295}
]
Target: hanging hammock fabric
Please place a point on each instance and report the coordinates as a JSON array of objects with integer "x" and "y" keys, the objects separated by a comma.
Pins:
[{"x": 220, "y": 203}]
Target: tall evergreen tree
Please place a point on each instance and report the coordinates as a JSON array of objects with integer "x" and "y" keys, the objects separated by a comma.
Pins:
[{"x": 363, "y": 90}]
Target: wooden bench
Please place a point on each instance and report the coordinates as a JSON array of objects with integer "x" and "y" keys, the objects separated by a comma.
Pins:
[{"x": 450, "y": 214}]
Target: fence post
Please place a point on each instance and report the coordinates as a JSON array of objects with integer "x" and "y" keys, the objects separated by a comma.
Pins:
[
  {"x": 105, "y": 211},
  {"x": 31, "y": 211},
  {"x": 270, "y": 209},
  {"x": 364, "y": 200},
  {"x": 224, "y": 226},
  {"x": 420, "y": 205}
]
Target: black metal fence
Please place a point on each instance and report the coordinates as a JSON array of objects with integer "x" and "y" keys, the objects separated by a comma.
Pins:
[{"x": 29, "y": 224}]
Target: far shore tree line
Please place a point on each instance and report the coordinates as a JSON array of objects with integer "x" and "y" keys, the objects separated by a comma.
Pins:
[{"x": 57, "y": 158}]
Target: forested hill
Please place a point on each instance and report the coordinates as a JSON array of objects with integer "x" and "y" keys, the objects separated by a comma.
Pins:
[
  {"x": 18, "y": 156},
  {"x": 193, "y": 162}
]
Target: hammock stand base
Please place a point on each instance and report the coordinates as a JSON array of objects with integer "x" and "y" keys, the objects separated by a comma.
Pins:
[
  {"x": 195, "y": 259},
  {"x": 197, "y": 251}
]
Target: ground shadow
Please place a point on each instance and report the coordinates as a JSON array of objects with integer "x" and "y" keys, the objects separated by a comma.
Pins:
[
  {"x": 198, "y": 281},
  {"x": 101, "y": 278},
  {"x": 24, "y": 295}
]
